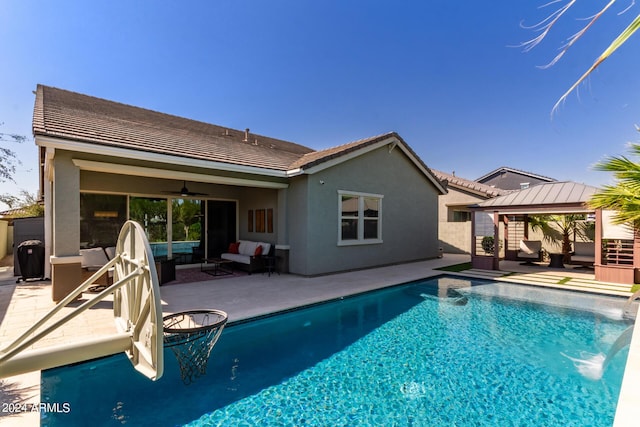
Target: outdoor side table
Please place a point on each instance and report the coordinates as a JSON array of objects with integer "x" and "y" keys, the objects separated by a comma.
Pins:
[
  {"x": 166, "y": 269},
  {"x": 271, "y": 264},
  {"x": 557, "y": 260}
]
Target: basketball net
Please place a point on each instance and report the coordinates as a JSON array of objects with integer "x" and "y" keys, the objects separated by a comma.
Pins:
[{"x": 191, "y": 336}]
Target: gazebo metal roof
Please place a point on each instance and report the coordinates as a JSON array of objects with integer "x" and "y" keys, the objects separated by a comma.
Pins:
[{"x": 553, "y": 197}]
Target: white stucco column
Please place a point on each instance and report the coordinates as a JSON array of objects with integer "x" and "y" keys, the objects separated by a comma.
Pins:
[
  {"x": 283, "y": 229},
  {"x": 66, "y": 264},
  {"x": 282, "y": 245},
  {"x": 66, "y": 206}
]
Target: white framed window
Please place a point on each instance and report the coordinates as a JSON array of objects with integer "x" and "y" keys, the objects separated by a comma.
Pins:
[{"x": 360, "y": 218}]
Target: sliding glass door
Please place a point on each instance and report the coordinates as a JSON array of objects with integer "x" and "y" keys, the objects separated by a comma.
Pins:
[
  {"x": 175, "y": 227},
  {"x": 187, "y": 225},
  {"x": 151, "y": 213}
]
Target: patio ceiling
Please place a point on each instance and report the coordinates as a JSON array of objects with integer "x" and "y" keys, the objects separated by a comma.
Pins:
[{"x": 549, "y": 198}]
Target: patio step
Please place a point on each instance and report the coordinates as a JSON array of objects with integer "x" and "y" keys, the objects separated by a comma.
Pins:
[
  {"x": 535, "y": 277},
  {"x": 582, "y": 289},
  {"x": 576, "y": 284},
  {"x": 486, "y": 274},
  {"x": 551, "y": 280}
]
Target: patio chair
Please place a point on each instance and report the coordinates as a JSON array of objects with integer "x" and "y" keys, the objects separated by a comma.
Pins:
[
  {"x": 530, "y": 251},
  {"x": 92, "y": 260},
  {"x": 584, "y": 254}
]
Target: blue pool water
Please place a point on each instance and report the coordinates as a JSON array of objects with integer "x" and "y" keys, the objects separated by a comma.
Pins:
[{"x": 440, "y": 352}]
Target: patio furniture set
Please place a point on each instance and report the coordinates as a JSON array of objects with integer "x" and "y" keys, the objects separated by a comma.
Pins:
[{"x": 531, "y": 251}]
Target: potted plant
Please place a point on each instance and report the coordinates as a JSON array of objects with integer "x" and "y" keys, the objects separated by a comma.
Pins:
[{"x": 488, "y": 244}]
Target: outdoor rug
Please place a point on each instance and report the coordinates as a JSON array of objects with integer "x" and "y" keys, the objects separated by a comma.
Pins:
[{"x": 190, "y": 275}]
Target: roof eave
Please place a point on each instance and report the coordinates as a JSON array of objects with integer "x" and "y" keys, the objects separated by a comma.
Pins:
[
  {"x": 561, "y": 208},
  {"x": 392, "y": 139},
  {"x": 90, "y": 148}
]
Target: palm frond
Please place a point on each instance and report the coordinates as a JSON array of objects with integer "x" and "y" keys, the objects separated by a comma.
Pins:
[
  {"x": 619, "y": 41},
  {"x": 574, "y": 38},
  {"x": 545, "y": 25},
  {"x": 622, "y": 198}
]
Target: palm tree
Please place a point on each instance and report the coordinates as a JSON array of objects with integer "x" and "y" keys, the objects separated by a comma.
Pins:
[
  {"x": 624, "y": 195},
  {"x": 563, "y": 229}
]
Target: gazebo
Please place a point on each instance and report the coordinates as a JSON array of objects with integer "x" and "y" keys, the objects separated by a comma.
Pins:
[{"x": 505, "y": 220}]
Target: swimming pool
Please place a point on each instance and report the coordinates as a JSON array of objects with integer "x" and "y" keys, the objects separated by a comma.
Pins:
[{"x": 443, "y": 351}]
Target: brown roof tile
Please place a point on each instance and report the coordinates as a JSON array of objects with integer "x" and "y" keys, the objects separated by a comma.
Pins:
[
  {"x": 476, "y": 187},
  {"x": 317, "y": 157},
  {"x": 73, "y": 116}
]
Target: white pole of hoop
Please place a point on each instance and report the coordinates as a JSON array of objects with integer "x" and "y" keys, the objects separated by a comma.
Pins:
[
  {"x": 65, "y": 354},
  {"x": 14, "y": 363}
]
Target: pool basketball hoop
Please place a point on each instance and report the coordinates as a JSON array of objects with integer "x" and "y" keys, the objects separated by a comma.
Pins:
[
  {"x": 191, "y": 336},
  {"x": 141, "y": 330}
]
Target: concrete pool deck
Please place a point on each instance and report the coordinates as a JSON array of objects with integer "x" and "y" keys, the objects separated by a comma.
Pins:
[{"x": 254, "y": 295}]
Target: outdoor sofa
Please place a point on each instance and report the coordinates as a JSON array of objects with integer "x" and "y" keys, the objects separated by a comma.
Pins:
[{"x": 248, "y": 254}]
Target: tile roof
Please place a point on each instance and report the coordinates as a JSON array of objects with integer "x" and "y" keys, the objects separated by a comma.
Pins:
[
  {"x": 317, "y": 157},
  {"x": 72, "y": 116},
  {"x": 476, "y": 187}
]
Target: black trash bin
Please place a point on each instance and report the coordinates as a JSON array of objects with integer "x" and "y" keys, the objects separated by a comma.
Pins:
[{"x": 31, "y": 259}]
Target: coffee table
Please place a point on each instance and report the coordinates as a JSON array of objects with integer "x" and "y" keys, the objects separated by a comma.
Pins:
[{"x": 216, "y": 266}]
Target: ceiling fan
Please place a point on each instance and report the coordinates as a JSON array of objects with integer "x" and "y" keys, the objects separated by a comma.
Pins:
[{"x": 184, "y": 191}]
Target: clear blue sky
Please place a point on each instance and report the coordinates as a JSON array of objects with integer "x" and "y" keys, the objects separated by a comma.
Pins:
[{"x": 441, "y": 73}]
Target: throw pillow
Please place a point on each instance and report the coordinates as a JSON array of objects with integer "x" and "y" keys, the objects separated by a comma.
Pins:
[
  {"x": 258, "y": 250},
  {"x": 233, "y": 248}
]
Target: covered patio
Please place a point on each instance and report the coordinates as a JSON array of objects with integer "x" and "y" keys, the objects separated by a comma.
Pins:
[{"x": 614, "y": 249}]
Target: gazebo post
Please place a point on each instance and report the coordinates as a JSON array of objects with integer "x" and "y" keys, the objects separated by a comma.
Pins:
[
  {"x": 598, "y": 241},
  {"x": 496, "y": 240},
  {"x": 484, "y": 262},
  {"x": 473, "y": 234},
  {"x": 505, "y": 222}
]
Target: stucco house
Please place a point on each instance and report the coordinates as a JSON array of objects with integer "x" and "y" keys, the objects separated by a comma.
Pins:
[
  {"x": 454, "y": 212},
  {"x": 197, "y": 187}
]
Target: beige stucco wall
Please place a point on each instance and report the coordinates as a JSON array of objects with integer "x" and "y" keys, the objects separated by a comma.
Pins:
[
  {"x": 455, "y": 237},
  {"x": 4, "y": 237}
]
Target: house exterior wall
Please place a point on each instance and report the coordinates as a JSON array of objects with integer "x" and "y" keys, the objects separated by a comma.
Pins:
[
  {"x": 248, "y": 198},
  {"x": 254, "y": 199},
  {"x": 305, "y": 215},
  {"x": 69, "y": 181},
  {"x": 298, "y": 215},
  {"x": 408, "y": 214},
  {"x": 455, "y": 237},
  {"x": 66, "y": 204},
  {"x": 510, "y": 180},
  {"x": 4, "y": 237}
]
